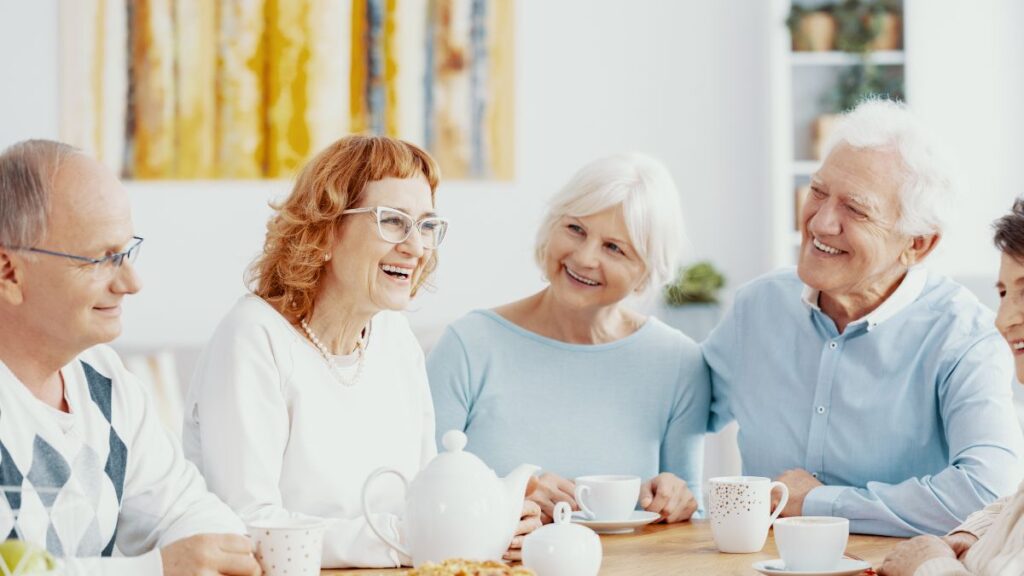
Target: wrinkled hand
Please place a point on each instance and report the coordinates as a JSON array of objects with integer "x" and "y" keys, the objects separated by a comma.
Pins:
[
  {"x": 800, "y": 483},
  {"x": 528, "y": 522},
  {"x": 669, "y": 496},
  {"x": 960, "y": 542},
  {"x": 552, "y": 489},
  {"x": 907, "y": 556},
  {"x": 210, "y": 554}
]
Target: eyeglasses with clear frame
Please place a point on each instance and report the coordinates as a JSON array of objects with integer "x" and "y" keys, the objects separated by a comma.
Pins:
[
  {"x": 104, "y": 267},
  {"x": 395, "y": 226}
]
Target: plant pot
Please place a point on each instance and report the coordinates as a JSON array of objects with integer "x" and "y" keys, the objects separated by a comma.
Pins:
[
  {"x": 821, "y": 129},
  {"x": 890, "y": 33},
  {"x": 816, "y": 32},
  {"x": 694, "y": 320}
]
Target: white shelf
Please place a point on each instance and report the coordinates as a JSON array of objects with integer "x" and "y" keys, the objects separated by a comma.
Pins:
[
  {"x": 805, "y": 167},
  {"x": 881, "y": 58}
]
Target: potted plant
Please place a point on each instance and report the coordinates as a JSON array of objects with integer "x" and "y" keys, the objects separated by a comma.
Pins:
[
  {"x": 690, "y": 302},
  {"x": 889, "y": 21},
  {"x": 854, "y": 84},
  {"x": 812, "y": 29}
]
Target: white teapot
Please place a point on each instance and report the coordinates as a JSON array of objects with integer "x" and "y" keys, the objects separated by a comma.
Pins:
[{"x": 457, "y": 507}]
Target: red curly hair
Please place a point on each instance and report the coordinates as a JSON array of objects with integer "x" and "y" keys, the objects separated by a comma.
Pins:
[{"x": 288, "y": 272}]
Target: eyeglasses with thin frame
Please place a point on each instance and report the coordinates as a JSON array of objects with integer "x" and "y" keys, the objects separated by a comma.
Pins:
[
  {"x": 107, "y": 265},
  {"x": 395, "y": 226}
]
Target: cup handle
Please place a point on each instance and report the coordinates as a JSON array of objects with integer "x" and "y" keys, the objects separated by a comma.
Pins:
[
  {"x": 579, "y": 494},
  {"x": 366, "y": 507},
  {"x": 782, "y": 501}
]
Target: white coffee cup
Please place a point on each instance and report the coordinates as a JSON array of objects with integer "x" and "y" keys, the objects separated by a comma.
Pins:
[
  {"x": 288, "y": 546},
  {"x": 607, "y": 497},
  {"x": 811, "y": 542},
  {"x": 740, "y": 512}
]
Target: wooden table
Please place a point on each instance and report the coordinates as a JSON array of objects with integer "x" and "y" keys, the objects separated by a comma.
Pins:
[{"x": 688, "y": 548}]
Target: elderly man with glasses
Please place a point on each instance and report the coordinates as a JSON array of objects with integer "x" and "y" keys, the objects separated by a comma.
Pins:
[{"x": 87, "y": 472}]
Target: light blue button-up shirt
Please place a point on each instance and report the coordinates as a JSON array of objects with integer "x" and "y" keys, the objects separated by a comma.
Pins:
[{"x": 906, "y": 416}]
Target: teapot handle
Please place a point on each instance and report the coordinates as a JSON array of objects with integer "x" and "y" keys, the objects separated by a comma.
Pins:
[{"x": 366, "y": 507}]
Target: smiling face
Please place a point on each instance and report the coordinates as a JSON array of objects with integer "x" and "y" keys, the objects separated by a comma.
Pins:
[
  {"x": 590, "y": 261},
  {"x": 1010, "y": 317},
  {"x": 64, "y": 302},
  {"x": 376, "y": 274},
  {"x": 851, "y": 246}
]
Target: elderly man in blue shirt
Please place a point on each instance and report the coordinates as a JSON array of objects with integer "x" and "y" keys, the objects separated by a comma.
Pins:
[{"x": 874, "y": 389}]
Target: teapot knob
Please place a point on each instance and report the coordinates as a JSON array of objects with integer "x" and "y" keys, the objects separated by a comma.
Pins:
[
  {"x": 454, "y": 441},
  {"x": 563, "y": 513}
]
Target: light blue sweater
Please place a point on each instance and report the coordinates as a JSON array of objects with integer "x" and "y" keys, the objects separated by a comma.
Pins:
[{"x": 638, "y": 405}]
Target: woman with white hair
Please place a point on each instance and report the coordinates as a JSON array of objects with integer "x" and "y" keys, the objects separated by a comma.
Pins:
[{"x": 570, "y": 378}]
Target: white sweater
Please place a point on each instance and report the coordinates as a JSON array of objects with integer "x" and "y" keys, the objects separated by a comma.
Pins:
[
  {"x": 999, "y": 550},
  {"x": 112, "y": 476},
  {"x": 276, "y": 434}
]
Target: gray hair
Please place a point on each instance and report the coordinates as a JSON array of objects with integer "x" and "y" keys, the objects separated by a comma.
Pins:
[
  {"x": 644, "y": 188},
  {"x": 27, "y": 172},
  {"x": 926, "y": 194}
]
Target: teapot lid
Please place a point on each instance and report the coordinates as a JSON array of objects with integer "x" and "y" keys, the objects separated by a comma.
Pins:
[{"x": 455, "y": 462}]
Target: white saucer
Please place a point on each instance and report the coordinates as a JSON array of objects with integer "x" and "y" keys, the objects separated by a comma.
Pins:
[
  {"x": 639, "y": 518},
  {"x": 776, "y": 567}
]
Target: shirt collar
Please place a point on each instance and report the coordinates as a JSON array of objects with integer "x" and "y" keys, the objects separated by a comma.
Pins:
[{"x": 908, "y": 291}]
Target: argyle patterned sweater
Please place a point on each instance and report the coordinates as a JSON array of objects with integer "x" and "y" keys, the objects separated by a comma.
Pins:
[{"x": 103, "y": 486}]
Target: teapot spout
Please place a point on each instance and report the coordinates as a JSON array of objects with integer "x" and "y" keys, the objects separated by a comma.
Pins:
[{"x": 515, "y": 489}]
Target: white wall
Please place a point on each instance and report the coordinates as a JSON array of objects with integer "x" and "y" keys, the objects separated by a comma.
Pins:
[{"x": 677, "y": 80}]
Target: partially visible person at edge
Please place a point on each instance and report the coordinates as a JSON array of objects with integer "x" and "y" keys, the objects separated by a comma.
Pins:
[
  {"x": 315, "y": 379},
  {"x": 571, "y": 378},
  {"x": 991, "y": 541},
  {"x": 874, "y": 389},
  {"x": 85, "y": 465}
]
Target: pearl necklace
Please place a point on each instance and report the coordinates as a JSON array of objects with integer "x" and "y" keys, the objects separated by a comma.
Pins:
[{"x": 335, "y": 370}]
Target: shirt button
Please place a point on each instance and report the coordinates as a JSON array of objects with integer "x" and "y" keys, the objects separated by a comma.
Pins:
[
  {"x": 821, "y": 409},
  {"x": 833, "y": 345},
  {"x": 814, "y": 474}
]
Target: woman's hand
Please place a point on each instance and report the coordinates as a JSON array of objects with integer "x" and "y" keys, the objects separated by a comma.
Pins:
[
  {"x": 907, "y": 556},
  {"x": 960, "y": 542},
  {"x": 552, "y": 489},
  {"x": 528, "y": 522},
  {"x": 668, "y": 495}
]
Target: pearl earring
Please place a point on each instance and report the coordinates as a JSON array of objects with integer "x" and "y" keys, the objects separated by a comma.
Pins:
[{"x": 327, "y": 256}]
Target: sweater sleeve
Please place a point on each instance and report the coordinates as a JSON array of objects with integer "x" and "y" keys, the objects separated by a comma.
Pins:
[
  {"x": 979, "y": 522},
  {"x": 243, "y": 428},
  {"x": 682, "y": 448},
  {"x": 448, "y": 368},
  {"x": 165, "y": 498}
]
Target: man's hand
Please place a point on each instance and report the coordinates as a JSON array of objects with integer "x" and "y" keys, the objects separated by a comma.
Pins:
[
  {"x": 210, "y": 554},
  {"x": 907, "y": 556},
  {"x": 552, "y": 489},
  {"x": 800, "y": 483},
  {"x": 960, "y": 542},
  {"x": 669, "y": 496},
  {"x": 528, "y": 522}
]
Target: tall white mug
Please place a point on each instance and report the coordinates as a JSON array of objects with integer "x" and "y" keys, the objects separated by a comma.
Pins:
[{"x": 740, "y": 511}]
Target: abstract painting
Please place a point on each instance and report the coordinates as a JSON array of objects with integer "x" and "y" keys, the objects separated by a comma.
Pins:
[{"x": 244, "y": 89}]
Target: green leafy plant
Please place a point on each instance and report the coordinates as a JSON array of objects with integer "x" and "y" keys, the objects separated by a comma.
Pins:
[
  {"x": 858, "y": 22},
  {"x": 695, "y": 284},
  {"x": 860, "y": 82}
]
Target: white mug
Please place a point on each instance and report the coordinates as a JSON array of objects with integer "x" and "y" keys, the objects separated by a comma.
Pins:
[
  {"x": 288, "y": 546},
  {"x": 740, "y": 512},
  {"x": 607, "y": 497},
  {"x": 811, "y": 543}
]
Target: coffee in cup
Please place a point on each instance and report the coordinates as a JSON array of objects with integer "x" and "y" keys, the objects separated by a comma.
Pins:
[{"x": 811, "y": 542}]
